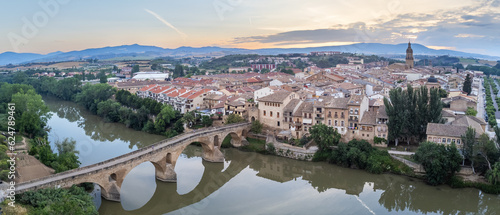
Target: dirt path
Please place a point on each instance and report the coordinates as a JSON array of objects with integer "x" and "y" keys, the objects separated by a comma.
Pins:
[{"x": 29, "y": 168}]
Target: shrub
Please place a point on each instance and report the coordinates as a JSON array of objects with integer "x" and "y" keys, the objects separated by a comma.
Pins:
[{"x": 270, "y": 148}]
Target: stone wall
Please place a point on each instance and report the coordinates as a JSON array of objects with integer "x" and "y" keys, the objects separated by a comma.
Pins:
[{"x": 289, "y": 151}]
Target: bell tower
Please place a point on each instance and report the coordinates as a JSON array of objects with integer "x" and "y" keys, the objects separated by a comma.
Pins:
[{"x": 409, "y": 56}]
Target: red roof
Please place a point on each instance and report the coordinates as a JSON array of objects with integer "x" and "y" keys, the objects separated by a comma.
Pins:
[{"x": 147, "y": 88}]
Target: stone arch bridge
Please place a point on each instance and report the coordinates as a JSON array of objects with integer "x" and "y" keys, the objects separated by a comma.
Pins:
[{"x": 109, "y": 174}]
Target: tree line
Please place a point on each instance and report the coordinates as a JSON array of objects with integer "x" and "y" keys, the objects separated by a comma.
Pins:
[
  {"x": 30, "y": 116},
  {"x": 409, "y": 111}
]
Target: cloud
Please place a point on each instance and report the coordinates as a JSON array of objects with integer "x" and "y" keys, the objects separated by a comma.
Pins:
[
  {"x": 183, "y": 35},
  {"x": 472, "y": 27},
  {"x": 468, "y": 35}
]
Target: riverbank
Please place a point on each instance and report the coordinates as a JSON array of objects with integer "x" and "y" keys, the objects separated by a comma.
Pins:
[{"x": 28, "y": 167}]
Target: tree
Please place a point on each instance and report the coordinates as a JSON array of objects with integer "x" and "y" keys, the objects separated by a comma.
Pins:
[
  {"x": 109, "y": 110},
  {"x": 439, "y": 161},
  {"x": 443, "y": 93},
  {"x": 135, "y": 69},
  {"x": 256, "y": 127},
  {"x": 234, "y": 118},
  {"x": 493, "y": 175},
  {"x": 471, "y": 111},
  {"x": 178, "y": 71},
  {"x": 67, "y": 158},
  {"x": 164, "y": 118},
  {"x": 467, "y": 84},
  {"x": 486, "y": 149},
  {"x": 91, "y": 95},
  {"x": 324, "y": 136},
  {"x": 468, "y": 141},
  {"x": 31, "y": 113},
  {"x": 206, "y": 121},
  {"x": 67, "y": 88},
  {"x": 154, "y": 66},
  {"x": 410, "y": 111},
  {"x": 189, "y": 118}
]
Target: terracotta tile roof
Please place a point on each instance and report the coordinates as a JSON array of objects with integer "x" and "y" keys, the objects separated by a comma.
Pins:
[
  {"x": 368, "y": 118},
  {"x": 446, "y": 113},
  {"x": 147, "y": 88},
  {"x": 291, "y": 105},
  {"x": 236, "y": 103},
  {"x": 198, "y": 93},
  {"x": 275, "y": 97},
  {"x": 446, "y": 130},
  {"x": 381, "y": 113},
  {"x": 469, "y": 121}
]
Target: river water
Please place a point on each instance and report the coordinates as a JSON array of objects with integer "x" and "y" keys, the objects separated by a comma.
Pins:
[{"x": 251, "y": 183}]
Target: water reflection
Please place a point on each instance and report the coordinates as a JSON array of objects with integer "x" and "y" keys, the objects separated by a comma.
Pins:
[
  {"x": 250, "y": 183},
  {"x": 269, "y": 184},
  {"x": 96, "y": 139}
]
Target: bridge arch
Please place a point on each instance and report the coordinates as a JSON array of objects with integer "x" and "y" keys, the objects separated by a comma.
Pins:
[
  {"x": 216, "y": 141},
  {"x": 109, "y": 174}
]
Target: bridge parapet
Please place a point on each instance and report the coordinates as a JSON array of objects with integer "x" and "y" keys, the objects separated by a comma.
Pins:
[{"x": 104, "y": 169}]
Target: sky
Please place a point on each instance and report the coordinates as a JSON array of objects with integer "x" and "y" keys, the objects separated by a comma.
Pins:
[{"x": 44, "y": 26}]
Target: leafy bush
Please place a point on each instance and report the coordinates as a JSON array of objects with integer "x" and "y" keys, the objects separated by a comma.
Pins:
[
  {"x": 380, "y": 162},
  {"x": 271, "y": 149},
  {"x": 256, "y": 127},
  {"x": 59, "y": 201},
  {"x": 493, "y": 175},
  {"x": 439, "y": 161}
]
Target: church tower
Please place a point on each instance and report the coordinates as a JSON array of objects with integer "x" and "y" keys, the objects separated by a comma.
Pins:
[{"x": 409, "y": 56}]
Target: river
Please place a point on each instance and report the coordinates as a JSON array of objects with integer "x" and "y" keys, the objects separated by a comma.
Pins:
[{"x": 251, "y": 183}]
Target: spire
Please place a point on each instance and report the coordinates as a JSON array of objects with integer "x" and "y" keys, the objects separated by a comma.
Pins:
[{"x": 409, "y": 44}]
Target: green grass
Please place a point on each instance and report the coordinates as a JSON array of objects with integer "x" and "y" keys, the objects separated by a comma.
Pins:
[
  {"x": 255, "y": 145},
  {"x": 468, "y": 61},
  {"x": 198, "y": 126}
]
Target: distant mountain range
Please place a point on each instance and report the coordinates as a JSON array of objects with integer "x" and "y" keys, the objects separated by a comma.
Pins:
[{"x": 140, "y": 51}]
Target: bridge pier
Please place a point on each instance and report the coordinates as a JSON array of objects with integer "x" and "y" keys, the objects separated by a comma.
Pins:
[
  {"x": 214, "y": 155},
  {"x": 111, "y": 193},
  {"x": 168, "y": 175}
]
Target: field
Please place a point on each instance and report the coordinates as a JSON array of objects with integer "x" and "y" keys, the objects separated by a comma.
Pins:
[
  {"x": 58, "y": 66},
  {"x": 468, "y": 61}
]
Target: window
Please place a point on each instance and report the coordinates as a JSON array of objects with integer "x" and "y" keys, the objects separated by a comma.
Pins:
[
  {"x": 286, "y": 119},
  {"x": 444, "y": 140},
  {"x": 458, "y": 141},
  {"x": 363, "y": 135},
  {"x": 305, "y": 115},
  {"x": 449, "y": 140},
  {"x": 278, "y": 123},
  {"x": 368, "y": 135},
  {"x": 335, "y": 122},
  {"x": 270, "y": 113},
  {"x": 329, "y": 122},
  {"x": 310, "y": 115},
  {"x": 342, "y": 123},
  {"x": 264, "y": 113},
  {"x": 277, "y": 114}
]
